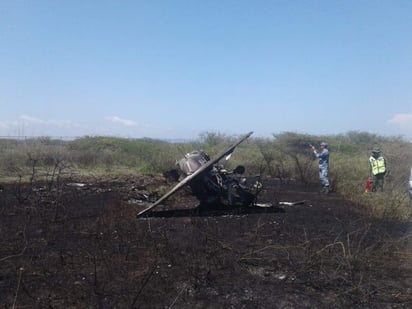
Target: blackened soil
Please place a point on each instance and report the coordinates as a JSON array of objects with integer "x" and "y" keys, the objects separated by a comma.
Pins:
[{"x": 80, "y": 245}]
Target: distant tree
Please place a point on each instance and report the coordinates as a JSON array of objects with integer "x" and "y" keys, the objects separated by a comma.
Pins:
[{"x": 213, "y": 139}]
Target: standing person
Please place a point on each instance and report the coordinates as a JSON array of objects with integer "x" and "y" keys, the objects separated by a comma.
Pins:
[
  {"x": 323, "y": 156},
  {"x": 377, "y": 169},
  {"x": 410, "y": 185}
]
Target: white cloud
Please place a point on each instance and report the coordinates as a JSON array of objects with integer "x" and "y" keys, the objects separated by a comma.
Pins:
[
  {"x": 125, "y": 122},
  {"x": 28, "y": 120},
  {"x": 27, "y": 125},
  {"x": 31, "y": 120},
  {"x": 403, "y": 122}
]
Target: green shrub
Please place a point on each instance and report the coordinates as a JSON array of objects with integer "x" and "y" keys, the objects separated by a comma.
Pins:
[{"x": 285, "y": 155}]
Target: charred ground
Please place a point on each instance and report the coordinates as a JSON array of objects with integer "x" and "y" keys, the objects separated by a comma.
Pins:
[{"x": 80, "y": 245}]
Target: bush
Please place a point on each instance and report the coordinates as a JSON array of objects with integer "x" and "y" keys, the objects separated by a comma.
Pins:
[{"x": 285, "y": 156}]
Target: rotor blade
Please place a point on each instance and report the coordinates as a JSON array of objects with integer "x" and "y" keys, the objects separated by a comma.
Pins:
[{"x": 203, "y": 168}]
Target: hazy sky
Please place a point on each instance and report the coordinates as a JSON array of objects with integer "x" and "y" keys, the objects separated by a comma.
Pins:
[{"x": 176, "y": 68}]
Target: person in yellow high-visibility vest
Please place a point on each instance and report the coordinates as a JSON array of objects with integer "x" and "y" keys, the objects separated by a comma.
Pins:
[{"x": 377, "y": 169}]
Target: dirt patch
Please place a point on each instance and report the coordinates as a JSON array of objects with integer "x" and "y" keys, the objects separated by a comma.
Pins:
[{"x": 81, "y": 246}]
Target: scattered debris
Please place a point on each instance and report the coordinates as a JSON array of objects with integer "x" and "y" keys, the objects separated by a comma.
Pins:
[
  {"x": 76, "y": 184},
  {"x": 292, "y": 203}
]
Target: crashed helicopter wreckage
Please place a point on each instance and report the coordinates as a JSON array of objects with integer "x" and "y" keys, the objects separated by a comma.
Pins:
[{"x": 211, "y": 183}]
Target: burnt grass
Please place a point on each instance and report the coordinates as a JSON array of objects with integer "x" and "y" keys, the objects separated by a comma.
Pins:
[{"x": 81, "y": 246}]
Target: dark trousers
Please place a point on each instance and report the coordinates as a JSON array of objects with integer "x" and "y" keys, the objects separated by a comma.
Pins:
[{"x": 378, "y": 181}]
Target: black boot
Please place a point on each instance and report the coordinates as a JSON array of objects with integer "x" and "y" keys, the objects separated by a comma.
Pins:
[{"x": 325, "y": 190}]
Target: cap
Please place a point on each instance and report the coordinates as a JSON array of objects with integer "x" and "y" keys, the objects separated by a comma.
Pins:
[{"x": 324, "y": 144}]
